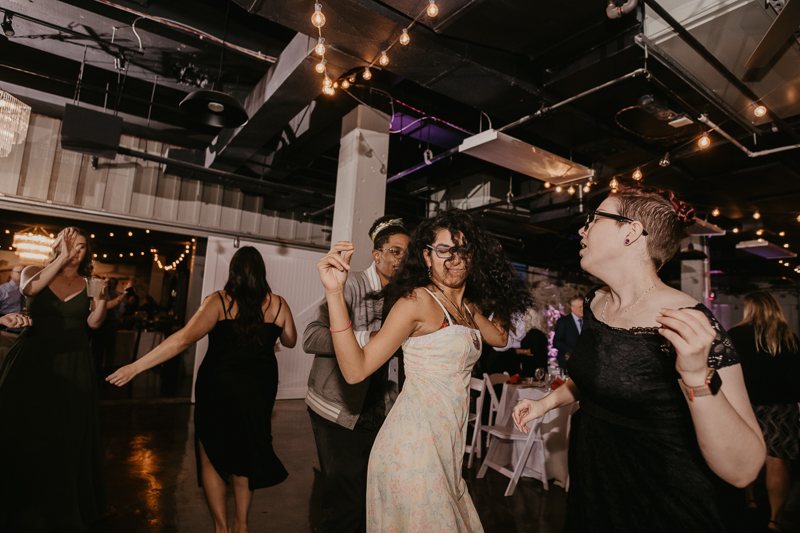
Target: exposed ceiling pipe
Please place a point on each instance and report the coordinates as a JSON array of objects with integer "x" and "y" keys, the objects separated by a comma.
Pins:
[
  {"x": 705, "y": 120},
  {"x": 615, "y": 12}
]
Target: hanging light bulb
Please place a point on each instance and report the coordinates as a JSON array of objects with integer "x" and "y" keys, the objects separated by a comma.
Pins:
[
  {"x": 352, "y": 78},
  {"x": 320, "y": 68},
  {"x": 433, "y": 9},
  {"x": 320, "y": 48},
  {"x": 336, "y": 85},
  {"x": 614, "y": 184},
  {"x": 318, "y": 19},
  {"x": 756, "y": 215},
  {"x": 404, "y": 37},
  {"x": 367, "y": 74},
  {"x": 326, "y": 82},
  {"x": 559, "y": 189},
  {"x": 664, "y": 161},
  {"x": 758, "y": 109},
  {"x": 786, "y": 245},
  {"x": 384, "y": 60},
  {"x": 345, "y": 83},
  {"x": 586, "y": 188},
  {"x": 715, "y": 213},
  {"x": 705, "y": 141},
  {"x": 571, "y": 190},
  {"x": 637, "y": 174},
  {"x": 546, "y": 184},
  {"x": 782, "y": 234},
  {"x": 328, "y": 90},
  {"x": 736, "y": 230},
  {"x": 760, "y": 232},
  {"x": 798, "y": 218}
]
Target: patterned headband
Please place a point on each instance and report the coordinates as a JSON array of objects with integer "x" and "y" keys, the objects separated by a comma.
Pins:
[{"x": 383, "y": 225}]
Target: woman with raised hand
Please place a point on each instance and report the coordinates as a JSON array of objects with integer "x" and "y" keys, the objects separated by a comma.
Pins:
[
  {"x": 665, "y": 425},
  {"x": 236, "y": 385},
  {"x": 771, "y": 366},
  {"x": 51, "y": 467},
  {"x": 453, "y": 275}
]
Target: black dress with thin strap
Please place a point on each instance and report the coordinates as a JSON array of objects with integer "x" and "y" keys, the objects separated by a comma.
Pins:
[
  {"x": 234, "y": 395},
  {"x": 634, "y": 461},
  {"x": 51, "y": 464}
]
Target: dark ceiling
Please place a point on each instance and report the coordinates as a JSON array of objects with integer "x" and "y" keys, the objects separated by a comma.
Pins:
[{"x": 478, "y": 61}]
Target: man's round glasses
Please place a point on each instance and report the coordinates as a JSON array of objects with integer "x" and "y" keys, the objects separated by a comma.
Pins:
[
  {"x": 397, "y": 252},
  {"x": 447, "y": 252},
  {"x": 590, "y": 216}
]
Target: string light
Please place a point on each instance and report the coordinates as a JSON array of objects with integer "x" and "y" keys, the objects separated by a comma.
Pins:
[
  {"x": 705, "y": 141},
  {"x": 328, "y": 90},
  {"x": 130, "y": 234},
  {"x": 571, "y": 190},
  {"x": 384, "y": 60},
  {"x": 111, "y": 234},
  {"x": 614, "y": 184},
  {"x": 715, "y": 213},
  {"x": 320, "y": 48},
  {"x": 586, "y": 188},
  {"x": 433, "y": 9},
  {"x": 736, "y": 230},
  {"x": 546, "y": 184},
  {"x": 320, "y": 68},
  {"x": 336, "y": 85},
  {"x": 367, "y": 74},
  {"x": 345, "y": 83},
  {"x": 756, "y": 215},
  {"x": 782, "y": 234},
  {"x": 786, "y": 245},
  {"x": 326, "y": 82},
  {"x": 352, "y": 79},
  {"x": 758, "y": 109},
  {"x": 664, "y": 161},
  {"x": 147, "y": 231},
  {"x": 404, "y": 38},
  {"x": 559, "y": 189},
  {"x": 318, "y": 19},
  {"x": 637, "y": 174},
  {"x": 90, "y": 236},
  {"x": 760, "y": 232}
]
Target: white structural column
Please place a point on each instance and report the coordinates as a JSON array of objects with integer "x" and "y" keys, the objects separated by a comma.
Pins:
[
  {"x": 695, "y": 276},
  {"x": 361, "y": 180}
]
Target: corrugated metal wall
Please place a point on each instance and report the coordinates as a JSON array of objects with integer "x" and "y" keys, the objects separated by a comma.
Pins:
[{"x": 39, "y": 172}]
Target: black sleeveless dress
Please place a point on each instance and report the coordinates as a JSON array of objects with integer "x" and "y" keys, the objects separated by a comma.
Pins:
[
  {"x": 634, "y": 461},
  {"x": 234, "y": 396},
  {"x": 51, "y": 465}
]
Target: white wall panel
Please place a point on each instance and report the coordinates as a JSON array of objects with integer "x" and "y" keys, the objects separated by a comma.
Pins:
[
  {"x": 92, "y": 186},
  {"x": 292, "y": 273},
  {"x": 66, "y": 174},
  {"x": 121, "y": 177},
  {"x": 231, "y": 210},
  {"x": 37, "y": 160},
  {"x": 11, "y": 165}
]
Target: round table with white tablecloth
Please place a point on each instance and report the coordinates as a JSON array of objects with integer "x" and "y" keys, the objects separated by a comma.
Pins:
[{"x": 554, "y": 430}]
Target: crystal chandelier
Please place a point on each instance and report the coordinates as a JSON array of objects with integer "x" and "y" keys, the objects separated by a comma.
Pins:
[
  {"x": 33, "y": 246},
  {"x": 14, "y": 118}
]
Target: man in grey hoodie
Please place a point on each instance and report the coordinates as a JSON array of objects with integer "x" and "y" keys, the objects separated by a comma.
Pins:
[{"x": 346, "y": 418}]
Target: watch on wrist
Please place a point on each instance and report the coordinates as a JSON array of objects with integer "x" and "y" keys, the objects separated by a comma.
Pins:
[{"x": 710, "y": 388}]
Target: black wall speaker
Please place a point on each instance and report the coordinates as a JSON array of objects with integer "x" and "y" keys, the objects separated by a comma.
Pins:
[{"x": 90, "y": 132}]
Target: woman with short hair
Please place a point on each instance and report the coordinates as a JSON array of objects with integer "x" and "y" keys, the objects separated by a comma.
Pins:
[
  {"x": 664, "y": 424},
  {"x": 771, "y": 364}
]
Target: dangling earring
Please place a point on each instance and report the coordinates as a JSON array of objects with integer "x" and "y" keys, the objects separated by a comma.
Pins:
[
  {"x": 377, "y": 262},
  {"x": 430, "y": 275}
]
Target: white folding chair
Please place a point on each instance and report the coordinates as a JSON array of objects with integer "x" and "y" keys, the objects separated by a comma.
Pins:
[
  {"x": 474, "y": 419},
  {"x": 495, "y": 407},
  {"x": 534, "y": 445}
]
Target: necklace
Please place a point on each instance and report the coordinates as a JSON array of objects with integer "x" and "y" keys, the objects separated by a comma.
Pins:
[
  {"x": 603, "y": 314},
  {"x": 472, "y": 333}
]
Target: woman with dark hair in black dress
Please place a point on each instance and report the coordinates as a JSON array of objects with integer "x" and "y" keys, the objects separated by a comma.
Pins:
[{"x": 236, "y": 385}]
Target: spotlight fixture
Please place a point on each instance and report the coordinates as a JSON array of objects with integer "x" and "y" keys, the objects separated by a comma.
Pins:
[
  {"x": 637, "y": 174},
  {"x": 758, "y": 109},
  {"x": 705, "y": 141},
  {"x": 318, "y": 19},
  {"x": 320, "y": 48},
  {"x": 214, "y": 108},
  {"x": 546, "y": 184},
  {"x": 715, "y": 213},
  {"x": 345, "y": 83},
  {"x": 664, "y": 161},
  {"x": 571, "y": 190},
  {"x": 8, "y": 29},
  {"x": 384, "y": 60},
  {"x": 614, "y": 184},
  {"x": 433, "y": 9},
  {"x": 367, "y": 74},
  {"x": 320, "y": 67},
  {"x": 756, "y": 215},
  {"x": 404, "y": 38}
]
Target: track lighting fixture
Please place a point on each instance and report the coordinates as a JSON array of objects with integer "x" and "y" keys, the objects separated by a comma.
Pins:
[
  {"x": 8, "y": 28},
  {"x": 664, "y": 161}
]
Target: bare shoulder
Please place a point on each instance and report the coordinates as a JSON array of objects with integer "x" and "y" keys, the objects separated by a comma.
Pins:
[{"x": 674, "y": 299}]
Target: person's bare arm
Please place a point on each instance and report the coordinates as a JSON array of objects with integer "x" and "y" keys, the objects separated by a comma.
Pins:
[
  {"x": 493, "y": 333},
  {"x": 34, "y": 279},
  {"x": 289, "y": 333},
  {"x": 99, "y": 308},
  {"x": 201, "y": 323},
  {"x": 527, "y": 410}
]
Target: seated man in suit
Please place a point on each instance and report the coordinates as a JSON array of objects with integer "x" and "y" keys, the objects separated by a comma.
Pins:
[{"x": 567, "y": 330}]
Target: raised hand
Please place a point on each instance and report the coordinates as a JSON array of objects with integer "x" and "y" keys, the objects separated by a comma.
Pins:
[
  {"x": 68, "y": 249},
  {"x": 104, "y": 290},
  {"x": 122, "y": 376},
  {"x": 692, "y": 335},
  {"x": 525, "y": 411},
  {"x": 333, "y": 267}
]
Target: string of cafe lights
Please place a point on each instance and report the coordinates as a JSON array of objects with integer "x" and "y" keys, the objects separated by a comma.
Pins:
[{"x": 329, "y": 86}]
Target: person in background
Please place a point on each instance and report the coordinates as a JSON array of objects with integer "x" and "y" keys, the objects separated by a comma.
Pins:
[
  {"x": 150, "y": 307},
  {"x": 508, "y": 358},
  {"x": 665, "y": 429},
  {"x": 568, "y": 328},
  {"x": 10, "y": 295},
  {"x": 236, "y": 386},
  {"x": 771, "y": 365},
  {"x": 51, "y": 464},
  {"x": 535, "y": 347},
  {"x": 346, "y": 418}
]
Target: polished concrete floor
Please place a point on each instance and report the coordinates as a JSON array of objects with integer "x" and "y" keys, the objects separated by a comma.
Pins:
[{"x": 152, "y": 477}]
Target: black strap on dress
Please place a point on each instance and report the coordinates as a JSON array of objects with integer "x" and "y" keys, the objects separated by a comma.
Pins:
[
  {"x": 280, "y": 303},
  {"x": 224, "y": 309}
]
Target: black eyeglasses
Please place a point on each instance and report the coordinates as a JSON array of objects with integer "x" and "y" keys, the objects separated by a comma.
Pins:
[
  {"x": 397, "y": 252},
  {"x": 447, "y": 252},
  {"x": 619, "y": 218}
]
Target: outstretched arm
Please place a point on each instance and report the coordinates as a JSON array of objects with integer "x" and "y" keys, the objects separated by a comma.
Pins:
[
  {"x": 201, "y": 323},
  {"x": 527, "y": 410}
]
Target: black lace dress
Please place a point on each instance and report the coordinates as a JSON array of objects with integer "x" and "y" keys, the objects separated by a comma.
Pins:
[{"x": 634, "y": 461}]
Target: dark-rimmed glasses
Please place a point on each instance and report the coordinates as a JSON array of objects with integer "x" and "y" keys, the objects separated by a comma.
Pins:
[
  {"x": 397, "y": 252},
  {"x": 590, "y": 216},
  {"x": 447, "y": 252}
]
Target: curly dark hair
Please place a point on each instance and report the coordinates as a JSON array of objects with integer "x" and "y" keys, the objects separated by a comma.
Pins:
[
  {"x": 492, "y": 283},
  {"x": 247, "y": 286}
]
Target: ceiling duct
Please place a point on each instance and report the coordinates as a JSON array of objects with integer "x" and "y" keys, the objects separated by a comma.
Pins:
[
  {"x": 765, "y": 249},
  {"x": 506, "y": 151}
]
